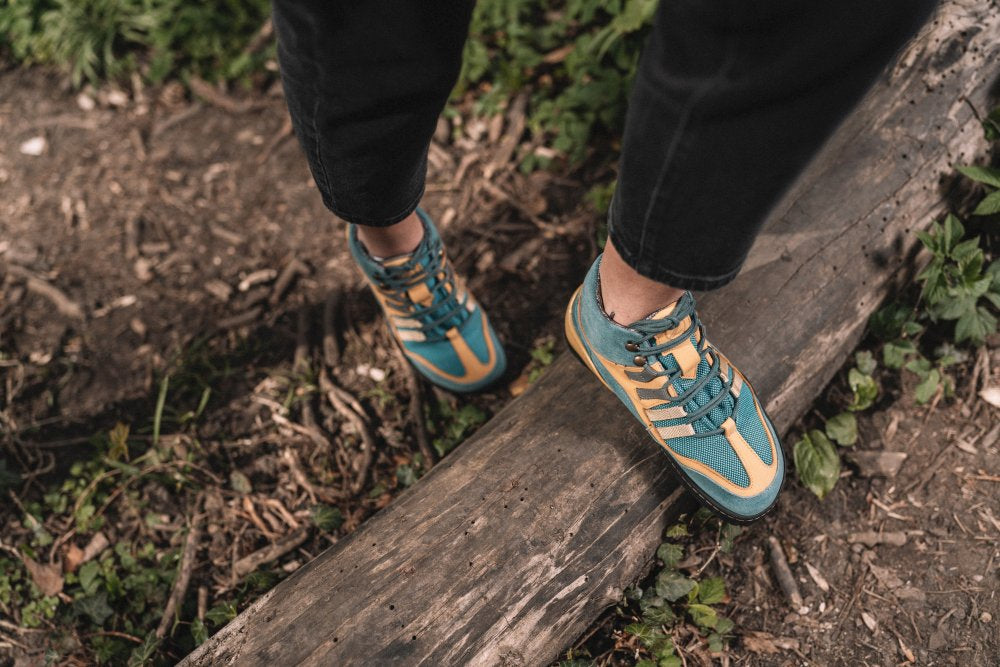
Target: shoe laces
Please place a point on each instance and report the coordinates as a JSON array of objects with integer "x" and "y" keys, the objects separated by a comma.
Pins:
[
  {"x": 711, "y": 388},
  {"x": 427, "y": 264}
]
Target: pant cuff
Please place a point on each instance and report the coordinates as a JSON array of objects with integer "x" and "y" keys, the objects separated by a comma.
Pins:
[{"x": 655, "y": 270}]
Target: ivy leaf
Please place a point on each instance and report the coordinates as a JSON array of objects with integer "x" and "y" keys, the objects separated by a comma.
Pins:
[
  {"x": 199, "y": 633},
  {"x": 989, "y": 205},
  {"x": 865, "y": 390},
  {"x": 894, "y": 353},
  {"x": 728, "y": 534},
  {"x": 406, "y": 475},
  {"x": 927, "y": 387},
  {"x": 94, "y": 607},
  {"x": 677, "y": 530},
  {"x": 673, "y": 585},
  {"x": 659, "y": 615},
  {"x": 817, "y": 463},
  {"x": 221, "y": 614},
  {"x": 89, "y": 577},
  {"x": 711, "y": 590},
  {"x": 670, "y": 554},
  {"x": 865, "y": 362},
  {"x": 987, "y": 175},
  {"x": 703, "y": 615},
  {"x": 843, "y": 429}
]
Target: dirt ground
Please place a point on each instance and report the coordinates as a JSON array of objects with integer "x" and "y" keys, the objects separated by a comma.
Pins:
[
  {"x": 893, "y": 567},
  {"x": 153, "y": 235}
]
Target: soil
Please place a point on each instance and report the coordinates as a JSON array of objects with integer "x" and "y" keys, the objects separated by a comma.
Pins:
[
  {"x": 896, "y": 568},
  {"x": 152, "y": 236}
]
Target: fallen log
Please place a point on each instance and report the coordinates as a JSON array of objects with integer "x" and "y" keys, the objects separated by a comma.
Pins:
[{"x": 511, "y": 546}]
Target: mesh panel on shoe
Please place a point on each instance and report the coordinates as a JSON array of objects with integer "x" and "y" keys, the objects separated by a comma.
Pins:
[
  {"x": 715, "y": 452},
  {"x": 719, "y": 413},
  {"x": 750, "y": 426}
]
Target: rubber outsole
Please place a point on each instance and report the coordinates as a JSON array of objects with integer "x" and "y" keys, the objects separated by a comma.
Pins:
[{"x": 576, "y": 345}]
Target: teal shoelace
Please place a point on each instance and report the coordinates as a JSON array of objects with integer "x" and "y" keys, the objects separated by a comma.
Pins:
[
  {"x": 425, "y": 265},
  {"x": 651, "y": 328}
]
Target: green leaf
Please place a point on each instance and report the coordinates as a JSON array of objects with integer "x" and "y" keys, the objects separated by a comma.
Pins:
[
  {"x": 662, "y": 615},
  {"x": 975, "y": 326},
  {"x": 989, "y": 205},
  {"x": 703, "y": 615},
  {"x": 724, "y": 625},
  {"x": 894, "y": 353},
  {"x": 670, "y": 554},
  {"x": 644, "y": 633},
  {"x": 406, "y": 475},
  {"x": 865, "y": 362},
  {"x": 887, "y": 322},
  {"x": 711, "y": 590},
  {"x": 817, "y": 463},
  {"x": 865, "y": 390},
  {"x": 669, "y": 661},
  {"x": 677, "y": 530},
  {"x": 673, "y": 585},
  {"x": 843, "y": 429},
  {"x": 221, "y": 614},
  {"x": 326, "y": 518},
  {"x": 927, "y": 387},
  {"x": 987, "y": 175},
  {"x": 88, "y": 576},
  {"x": 199, "y": 633},
  {"x": 94, "y": 607},
  {"x": 727, "y": 535}
]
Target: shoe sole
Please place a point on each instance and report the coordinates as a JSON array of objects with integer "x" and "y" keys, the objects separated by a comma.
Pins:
[{"x": 578, "y": 348}]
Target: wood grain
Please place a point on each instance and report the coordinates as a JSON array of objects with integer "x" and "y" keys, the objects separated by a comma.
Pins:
[{"x": 517, "y": 541}]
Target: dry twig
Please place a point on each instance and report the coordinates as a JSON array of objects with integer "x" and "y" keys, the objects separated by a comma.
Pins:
[
  {"x": 251, "y": 562},
  {"x": 184, "y": 571},
  {"x": 351, "y": 410}
]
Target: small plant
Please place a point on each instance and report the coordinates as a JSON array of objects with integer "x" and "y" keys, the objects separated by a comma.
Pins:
[
  {"x": 679, "y": 595},
  {"x": 956, "y": 285},
  {"x": 453, "y": 425}
]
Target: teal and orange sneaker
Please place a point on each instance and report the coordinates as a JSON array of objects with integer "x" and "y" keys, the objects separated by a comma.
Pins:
[
  {"x": 442, "y": 330},
  {"x": 697, "y": 407}
]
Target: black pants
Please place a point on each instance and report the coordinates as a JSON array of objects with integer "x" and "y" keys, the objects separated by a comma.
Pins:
[{"x": 731, "y": 100}]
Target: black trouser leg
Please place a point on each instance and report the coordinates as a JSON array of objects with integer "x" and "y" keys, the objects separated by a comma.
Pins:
[
  {"x": 365, "y": 82},
  {"x": 731, "y": 100}
]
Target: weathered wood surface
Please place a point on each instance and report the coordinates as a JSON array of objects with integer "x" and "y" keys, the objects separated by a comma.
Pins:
[{"x": 509, "y": 548}]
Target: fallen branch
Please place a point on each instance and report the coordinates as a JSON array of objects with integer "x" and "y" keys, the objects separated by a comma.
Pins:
[
  {"x": 783, "y": 573},
  {"x": 184, "y": 572},
  {"x": 251, "y": 562}
]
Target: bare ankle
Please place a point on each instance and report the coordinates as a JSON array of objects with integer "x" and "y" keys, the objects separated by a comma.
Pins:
[
  {"x": 627, "y": 295},
  {"x": 398, "y": 239}
]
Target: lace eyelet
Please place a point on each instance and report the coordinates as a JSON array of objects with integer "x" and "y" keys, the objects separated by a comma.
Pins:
[
  {"x": 639, "y": 360},
  {"x": 631, "y": 346}
]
